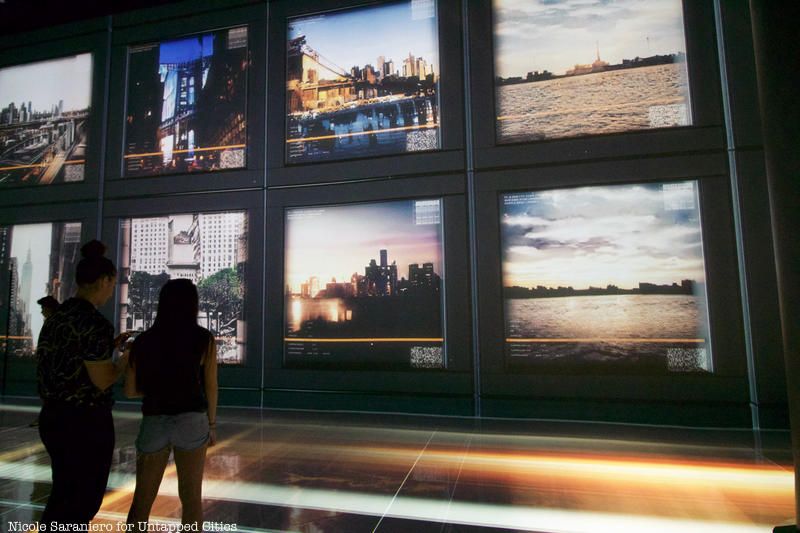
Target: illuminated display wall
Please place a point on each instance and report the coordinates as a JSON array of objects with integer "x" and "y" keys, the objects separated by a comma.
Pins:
[
  {"x": 187, "y": 103},
  {"x": 510, "y": 208},
  {"x": 574, "y": 68},
  {"x": 364, "y": 286},
  {"x": 363, "y": 82},
  {"x": 44, "y": 116},
  {"x": 210, "y": 249},
  {"x": 36, "y": 260}
]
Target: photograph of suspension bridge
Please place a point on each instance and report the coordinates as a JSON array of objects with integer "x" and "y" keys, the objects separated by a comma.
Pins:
[
  {"x": 363, "y": 82},
  {"x": 44, "y": 115}
]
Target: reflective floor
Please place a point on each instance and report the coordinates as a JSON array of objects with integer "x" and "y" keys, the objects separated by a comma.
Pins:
[{"x": 320, "y": 472}]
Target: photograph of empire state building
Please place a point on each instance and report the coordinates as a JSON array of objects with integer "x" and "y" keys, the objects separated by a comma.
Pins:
[
  {"x": 187, "y": 105},
  {"x": 364, "y": 286},
  {"x": 36, "y": 260}
]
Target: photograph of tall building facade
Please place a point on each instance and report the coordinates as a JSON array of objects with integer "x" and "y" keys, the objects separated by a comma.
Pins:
[
  {"x": 605, "y": 279},
  {"x": 571, "y": 68},
  {"x": 44, "y": 120},
  {"x": 187, "y": 102},
  {"x": 36, "y": 260},
  {"x": 364, "y": 286},
  {"x": 210, "y": 249},
  {"x": 363, "y": 82}
]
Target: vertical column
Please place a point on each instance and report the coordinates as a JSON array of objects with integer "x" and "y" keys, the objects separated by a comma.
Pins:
[{"x": 776, "y": 48}]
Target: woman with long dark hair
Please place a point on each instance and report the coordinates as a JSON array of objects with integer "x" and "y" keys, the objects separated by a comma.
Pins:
[
  {"x": 74, "y": 374},
  {"x": 173, "y": 366}
]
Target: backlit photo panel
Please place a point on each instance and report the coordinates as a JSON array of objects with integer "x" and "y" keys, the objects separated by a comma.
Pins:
[
  {"x": 36, "y": 260},
  {"x": 574, "y": 68},
  {"x": 363, "y": 82},
  {"x": 210, "y": 249},
  {"x": 186, "y": 107},
  {"x": 605, "y": 279},
  {"x": 364, "y": 286},
  {"x": 44, "y": 120}
]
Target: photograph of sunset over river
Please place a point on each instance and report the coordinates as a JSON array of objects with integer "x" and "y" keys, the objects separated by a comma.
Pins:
[
  {"x": 605, "y": 279},
  {"x": 364, "y": 287},
  {"x": 569, "y": 68}
]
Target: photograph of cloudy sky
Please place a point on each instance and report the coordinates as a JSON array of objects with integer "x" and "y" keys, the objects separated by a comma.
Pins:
[{"x": 614, "y": 275}]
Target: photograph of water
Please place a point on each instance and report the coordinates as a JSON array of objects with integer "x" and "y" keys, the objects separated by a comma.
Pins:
[
  {"x": 574, "y": 68},
  {"x": 605, "y": 279},
  {"x": 364, "y": 287}
]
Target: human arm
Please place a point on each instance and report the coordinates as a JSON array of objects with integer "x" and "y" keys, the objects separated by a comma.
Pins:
[
  {"x": 130, "y": 389},
  {"x": 211, "y": 388},
  {"x": 105, "y": 372}
]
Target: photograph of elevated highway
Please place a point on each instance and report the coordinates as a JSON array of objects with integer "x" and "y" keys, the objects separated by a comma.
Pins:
[{"x": 44, "y": 113}]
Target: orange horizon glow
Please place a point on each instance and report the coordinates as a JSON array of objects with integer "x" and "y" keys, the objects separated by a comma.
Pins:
[
  {"x": 358, "y": 133},
  {"x": 601, "y": 339},
  {"x": 34, "y": 165},
  {"x": 150, "y": 154},
  {"x": 379, "y": 339}
]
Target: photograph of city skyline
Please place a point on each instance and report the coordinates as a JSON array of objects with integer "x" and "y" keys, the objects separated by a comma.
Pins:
[
  {"x": 568, "y": 68},
  {"x": 363, "y": 82},
  {"x": 210, "y": 249},
  {"x": 364, "y": 286},
  {"x": 36, "y": 260},
  {"x": 187, "y": 101},
  {"x": 605, "y": 279},
  {"x": 44, "y": 117}
]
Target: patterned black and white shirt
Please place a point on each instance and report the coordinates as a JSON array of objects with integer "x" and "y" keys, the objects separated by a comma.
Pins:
[{"x": 75, "y": 333}]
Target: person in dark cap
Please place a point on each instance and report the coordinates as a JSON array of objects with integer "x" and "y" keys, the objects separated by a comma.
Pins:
[{"x": 49, "y": 306}]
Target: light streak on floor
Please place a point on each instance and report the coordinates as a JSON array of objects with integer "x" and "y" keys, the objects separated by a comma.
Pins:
[{"x": 279, "y": 471}]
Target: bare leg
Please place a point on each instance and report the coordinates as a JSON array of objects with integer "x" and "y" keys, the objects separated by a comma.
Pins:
[
  {"x": 190, "y": 465},
  {"x": 149, "y": 471}
]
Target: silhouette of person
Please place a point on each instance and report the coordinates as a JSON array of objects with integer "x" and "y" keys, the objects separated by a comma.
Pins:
[
  {"x": 173, "y": 366},
  {"x": 74, "y": 374},
  {"x": 49, "y": 306}
]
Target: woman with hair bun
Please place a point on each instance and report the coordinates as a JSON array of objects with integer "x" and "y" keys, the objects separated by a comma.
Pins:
[{"x": 75, "y": 373}]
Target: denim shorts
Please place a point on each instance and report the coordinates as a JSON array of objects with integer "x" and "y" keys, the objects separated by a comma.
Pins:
[{"x": 185, "y": 431}]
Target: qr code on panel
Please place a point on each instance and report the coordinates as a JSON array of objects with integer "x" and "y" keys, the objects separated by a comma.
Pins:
[
  {"x": 667, "y": 116},
  {"x": 231, "y": 159},
  {"x": 422, "y": 140},
  {"x": 73, "y": 172},
  {"x": 686, "y": 359},
  {"x": 426, "y": 357}
]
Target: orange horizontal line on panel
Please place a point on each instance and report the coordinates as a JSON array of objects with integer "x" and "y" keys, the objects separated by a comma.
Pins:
[
  {"x": 39, "y": 165},
  {"x": 149, "y": 154},
  {"x": 357, "y": 133},
  {"x": 380, "y": 339},
  {"x": 603, "y": 339},
  {"x": 16, "y": 337}
]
